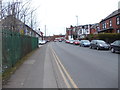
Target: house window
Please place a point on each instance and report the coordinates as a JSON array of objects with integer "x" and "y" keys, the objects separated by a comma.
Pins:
[
  {"x": 110, "y": 23},
  {"x": 105, "y": 25},
  {"x": 118, "y": 31},
  {"x": 118, "y": 20}
]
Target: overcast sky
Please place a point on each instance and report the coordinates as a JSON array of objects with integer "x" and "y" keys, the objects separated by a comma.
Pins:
[{"x": 59, "y": 14}]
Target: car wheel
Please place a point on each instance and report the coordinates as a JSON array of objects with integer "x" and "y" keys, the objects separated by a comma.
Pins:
[
  {"x": 112, "y": 50},
  {"x": 98, "y": 48},
  {"x": 90, "y": 47}
]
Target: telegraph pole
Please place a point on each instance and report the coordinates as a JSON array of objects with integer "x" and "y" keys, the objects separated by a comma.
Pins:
[
  {"x": 0, "y": 9},
  {"x": 0, "y": 42},
  {"x": 45, "y": 31},
  {"x": 77, "y": 20},
  {"x": 77, "y": 28}
]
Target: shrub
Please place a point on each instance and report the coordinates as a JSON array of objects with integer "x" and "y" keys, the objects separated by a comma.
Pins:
[{"x": 108, "y": 37}]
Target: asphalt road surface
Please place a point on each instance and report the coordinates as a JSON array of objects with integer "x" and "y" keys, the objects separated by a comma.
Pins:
[
  {"x": 61, "y": 65},
  {"x": 89, "y": 68}
]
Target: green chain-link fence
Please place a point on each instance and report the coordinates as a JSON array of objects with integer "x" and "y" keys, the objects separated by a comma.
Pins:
[{"x": 15, "y": 46}]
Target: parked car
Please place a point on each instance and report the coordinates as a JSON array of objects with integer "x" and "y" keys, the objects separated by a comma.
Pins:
[
  {"x": 41, "y": 42},
  {"x": 76, "y": 42},
  {"x": 115, "y": 46},
  {"x": 67, "y": 41},
  {"x": 55, "y": 40},
  {"x": 71, "y": 41},
  {"x": 60, "y": 40},
  {"x": 85, "y": 43},
  {"x": 99, "y": 44}
]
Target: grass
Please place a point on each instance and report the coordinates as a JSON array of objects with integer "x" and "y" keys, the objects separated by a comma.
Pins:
[{"x": 6, "y": 75}]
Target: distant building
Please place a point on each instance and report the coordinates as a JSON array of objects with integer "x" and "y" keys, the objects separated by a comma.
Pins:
[
  {"x": 84, "y": 30},
  {"x": 69, "y": 33},
  {"x": 78, "y": 32},
  {"x": 111, "y": 24},
  {"x": 94, "y": 28},
  {"x": 58, "y": 37}
]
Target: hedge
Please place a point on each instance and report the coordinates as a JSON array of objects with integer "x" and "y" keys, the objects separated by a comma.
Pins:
[{"x": 108, "y": 37}]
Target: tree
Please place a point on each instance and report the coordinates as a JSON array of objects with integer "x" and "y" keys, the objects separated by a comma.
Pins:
[{"x": 19, "y": 10}]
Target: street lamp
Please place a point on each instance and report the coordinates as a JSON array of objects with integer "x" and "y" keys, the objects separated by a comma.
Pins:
[
  {"x": 77, "y": 20},
  {"x": 77, "y": 27}
]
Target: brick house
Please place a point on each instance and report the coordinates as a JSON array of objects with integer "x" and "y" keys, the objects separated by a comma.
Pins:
[
  {"x": 70, "y": 32},
  {"x": 77, "y": 32},
  {"x": 94, "y": 28},
  {"x": 84, "y": 30},
  {"x": 111, "y": 24}
]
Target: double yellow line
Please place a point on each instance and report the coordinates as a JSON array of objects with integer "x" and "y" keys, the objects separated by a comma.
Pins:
[{"x": 64, "y": 72}]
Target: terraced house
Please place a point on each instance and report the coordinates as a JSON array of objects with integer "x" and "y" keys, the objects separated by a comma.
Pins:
[{"x": 111, "y": 24}]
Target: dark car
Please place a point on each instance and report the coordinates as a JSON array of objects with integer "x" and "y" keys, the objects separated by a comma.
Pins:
[
  {"x": 99, "y": 44},
  {"x": 115, "y": 46},
  {"x": 85, "y": 43}
]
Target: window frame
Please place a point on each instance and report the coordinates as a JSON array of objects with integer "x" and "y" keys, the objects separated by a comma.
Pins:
[
  {"x": 118, "y": 20},
  {"x": 110, "y": 23}
]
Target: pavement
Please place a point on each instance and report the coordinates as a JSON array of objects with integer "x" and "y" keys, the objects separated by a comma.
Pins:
[{"x": 39, "y": 71}]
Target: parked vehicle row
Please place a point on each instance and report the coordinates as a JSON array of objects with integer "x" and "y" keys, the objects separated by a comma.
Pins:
[{"x": 97, "y": 44}]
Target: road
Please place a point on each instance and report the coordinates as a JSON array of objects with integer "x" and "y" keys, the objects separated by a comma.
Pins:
[
  {"x": 89, "y": 68},
  {"x": 61, "y": 65}
]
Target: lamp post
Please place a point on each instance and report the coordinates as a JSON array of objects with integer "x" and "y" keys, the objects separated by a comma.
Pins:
[
  {"x": 77, "y": 28},
  {"x": 77, "y": 20}
]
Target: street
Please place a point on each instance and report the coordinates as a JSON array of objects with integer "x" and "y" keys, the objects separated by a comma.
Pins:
[
  {"x": 61, "y": 65},
  {"x": 89, "y": 68}
]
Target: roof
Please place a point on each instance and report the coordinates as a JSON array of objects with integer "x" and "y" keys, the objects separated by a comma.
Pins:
[
  {"x": 116, "y": 12},
  {"x": 10, "y": 18},
  {"x": 95, "y": 25}
]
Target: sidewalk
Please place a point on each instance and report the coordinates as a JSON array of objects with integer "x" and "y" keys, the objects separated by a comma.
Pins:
[{"x": 36, "y": 72}]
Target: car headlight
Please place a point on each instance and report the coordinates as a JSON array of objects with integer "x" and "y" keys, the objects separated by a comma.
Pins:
[{"x": 101, "y": 45}]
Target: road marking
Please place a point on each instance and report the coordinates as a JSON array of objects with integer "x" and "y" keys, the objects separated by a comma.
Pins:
[
  {"x": 65, "y": 80},
  {"x": 63, "y": 68}
]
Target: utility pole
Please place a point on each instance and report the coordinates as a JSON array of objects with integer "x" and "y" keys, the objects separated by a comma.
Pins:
[
  {"x": 45, "y": 31},
  {"x": 0, "y": 9},
  {"x": 77, "y": 28},
  {"x": 77, "y": 20},
  {"x": 0, "y": 41}
]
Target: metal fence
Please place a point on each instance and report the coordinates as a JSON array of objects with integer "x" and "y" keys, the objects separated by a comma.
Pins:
[{"x": 15, "y": 46}]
